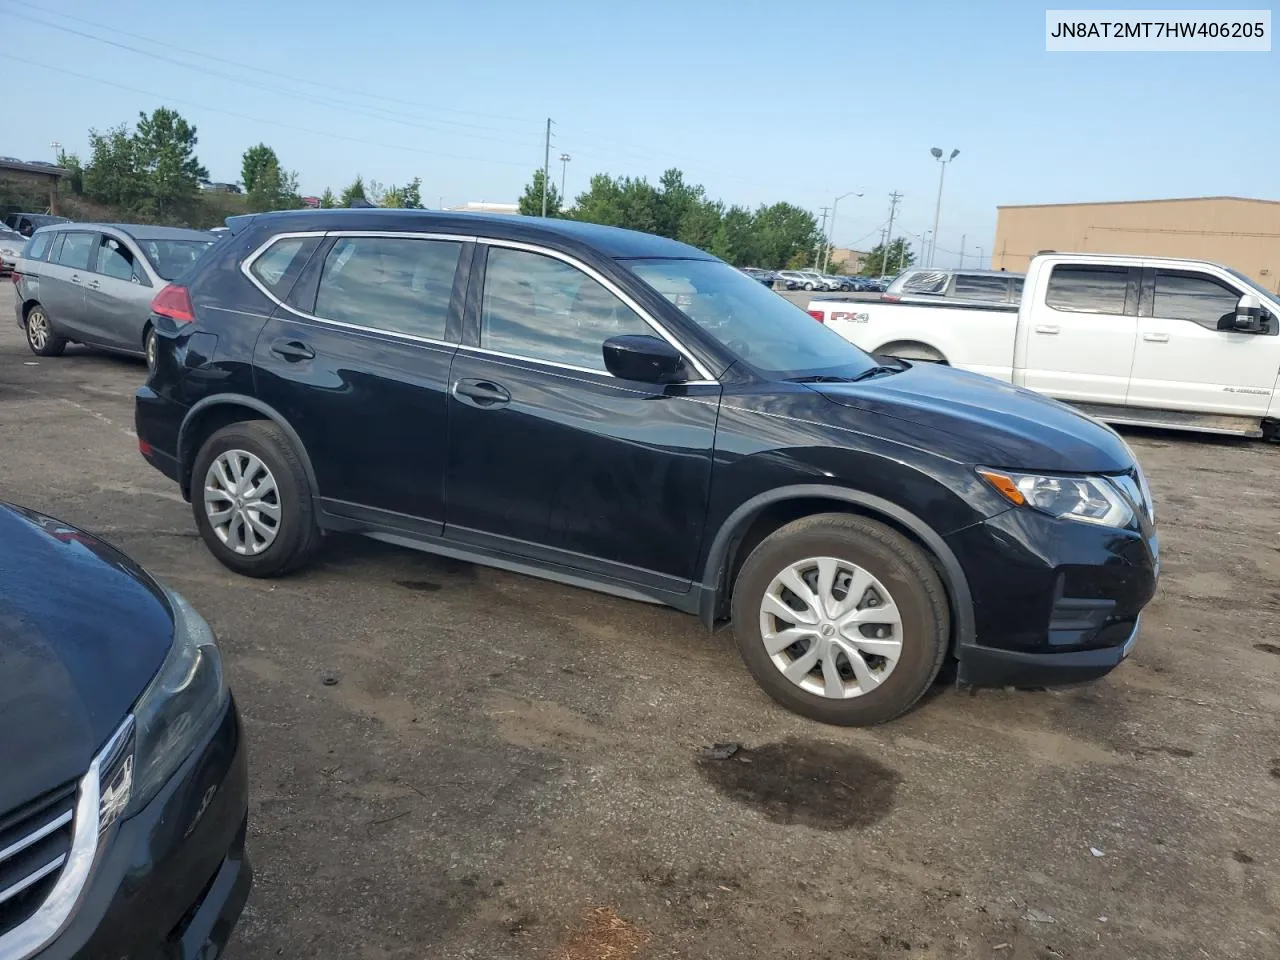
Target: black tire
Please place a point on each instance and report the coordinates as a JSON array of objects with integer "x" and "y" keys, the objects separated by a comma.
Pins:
[
  {"x": 52, "y": 343},
  {"x": 149, "y": 344},
  {"x": 297, "y": 536},
  {"x": 905, "y": 572}
]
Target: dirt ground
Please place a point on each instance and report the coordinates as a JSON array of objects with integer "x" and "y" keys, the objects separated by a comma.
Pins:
[{"x": 506, "y": 768}]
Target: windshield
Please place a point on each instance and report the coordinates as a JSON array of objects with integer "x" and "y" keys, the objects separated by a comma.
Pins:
[
  {"x": 172, "y": 258},
  {"x": 762, "y": 328},
  {"x": 1253, "y": 285}
]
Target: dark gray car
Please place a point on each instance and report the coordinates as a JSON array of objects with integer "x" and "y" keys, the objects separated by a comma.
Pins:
[{"x": 93, "y": 283}]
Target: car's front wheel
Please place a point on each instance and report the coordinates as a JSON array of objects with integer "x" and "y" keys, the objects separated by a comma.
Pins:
[
  {"x": 808, "y": 286},
  {"x": 841, "y": 619},
  {"x": 41, "y": 338},
  {"x": 252, "y": 502}
]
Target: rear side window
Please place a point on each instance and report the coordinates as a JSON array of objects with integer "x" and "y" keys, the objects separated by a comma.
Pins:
[
  {"x": 925, "y": 281},
  {"x": 977, "y": 287},
  {"x": 38, "y": 246},
  {"x": 76, "y": 250},
  {"x": 396, "y": 284},
  {"x": 1087, "y": 289},
  {"x": 277, "y": 267},
  {"x": 1195, "y": 297}
]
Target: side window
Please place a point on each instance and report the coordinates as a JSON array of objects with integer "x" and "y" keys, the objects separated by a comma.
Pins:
[
  {"x": 114, "y": 259},
  {"x": 977, "y": 287},
  {"x": 38, "y": 246},
  {"x": 76, "y": 250},
  {"x": 1193, "y": 296},
  {"x": 278, "y": 266},
  {"x": 395, "y": 284},
  {"x": 1087, "y": 289},
  {"x": 542, "y": 308}
]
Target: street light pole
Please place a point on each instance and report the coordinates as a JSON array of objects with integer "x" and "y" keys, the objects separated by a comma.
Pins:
[
  {"x": 564, "y": 165},
  {"x": 937, "y": 208},
  {"x": 831, "y": 230},
  {"x": 56, "y": 147}
]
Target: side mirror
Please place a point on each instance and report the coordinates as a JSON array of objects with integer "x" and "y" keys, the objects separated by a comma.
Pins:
[
  {"x": 643, "y": 358},
  {"x": 1249, "y": 315}
]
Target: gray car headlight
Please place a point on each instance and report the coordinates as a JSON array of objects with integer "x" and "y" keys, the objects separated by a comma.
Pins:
[
  {"x": 1088, "y": 499},
  {"x": 179, "y": 706}
]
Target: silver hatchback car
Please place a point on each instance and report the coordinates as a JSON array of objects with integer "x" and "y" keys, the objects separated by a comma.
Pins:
[{"x": 93, "y": 283}]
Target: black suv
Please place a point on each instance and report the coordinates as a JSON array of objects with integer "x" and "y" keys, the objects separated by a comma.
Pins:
[{"x": 627, "y": 413}]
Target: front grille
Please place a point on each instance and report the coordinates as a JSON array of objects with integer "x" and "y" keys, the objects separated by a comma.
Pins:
[{"x": 35, "y": 841}]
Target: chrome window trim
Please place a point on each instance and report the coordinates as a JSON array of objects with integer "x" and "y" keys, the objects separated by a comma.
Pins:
[
  {"x": 34, "y": 934},
  {"x": 246, "y": 268},
  {"x": 600, "y": 374},
  {"x": 614, "y": 289}
]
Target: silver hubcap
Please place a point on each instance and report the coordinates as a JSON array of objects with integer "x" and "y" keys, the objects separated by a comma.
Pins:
[
  {"x": 151, "y": 349},
  {"x": 831, "y": 628},
  {"x": 242, "y": 502},
  {"x": 37, "y": 330}
]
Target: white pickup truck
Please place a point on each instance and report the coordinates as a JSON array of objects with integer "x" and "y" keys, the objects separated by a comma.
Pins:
[{"x": 1149, "y": 341}]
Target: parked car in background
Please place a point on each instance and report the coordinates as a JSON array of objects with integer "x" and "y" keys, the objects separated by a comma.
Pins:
[
  {"x": 767, "y": 277},
  {"x": 11, "y": 244},
  {"x": 124, "y": 797},
  {"x": 935, "y": 284},
  {"x": 791, "y": 279},
  {"x": 28, "y": 223},
  {"x": 1182, "y": 344},
  {"x": 93, "y": 284},
  {"x": 550, "y": 396}
]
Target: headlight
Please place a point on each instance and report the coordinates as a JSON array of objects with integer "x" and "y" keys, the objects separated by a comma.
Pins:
[
  {"x": 1087, "y": 499},
  {"x": 179, "y": 706}
]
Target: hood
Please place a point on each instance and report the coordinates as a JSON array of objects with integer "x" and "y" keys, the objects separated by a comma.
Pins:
[
  {"x": 983, "y": 421},
  {"x": 82, "y": 631}
]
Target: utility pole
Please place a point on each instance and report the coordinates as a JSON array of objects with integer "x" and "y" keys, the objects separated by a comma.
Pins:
[
  {"x": 962, "y": 238},
  {"x": 893, "y": 208},
  {"x": 546, "y": 167},
  {"x": 822, "y": 232},
  {"x": 564, "y": 166},
  {"x": 980, "y": 266}
]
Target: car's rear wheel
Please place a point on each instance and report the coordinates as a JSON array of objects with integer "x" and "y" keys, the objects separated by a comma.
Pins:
[
  {"x": 150, "y": 345},
  {"x": 252, "y": 502},
  {"x": 841, "y": 619},
  {"x": 41, "y": 338}
]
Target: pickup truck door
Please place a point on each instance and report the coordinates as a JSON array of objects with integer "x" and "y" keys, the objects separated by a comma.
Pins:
[
  {"x": 1079, "y": 332},
  {"x": 1184, "y": 362}
]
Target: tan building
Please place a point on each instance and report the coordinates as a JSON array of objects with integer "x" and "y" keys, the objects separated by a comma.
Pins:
[
  {"x": 849, "y": 260},
  {"x": 1235, "y": 231}
]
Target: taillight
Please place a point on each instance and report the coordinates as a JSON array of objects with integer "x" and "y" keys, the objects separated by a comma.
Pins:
[
  {"x": 174, "y": 302},
  {"x": 818, "y": 315}
]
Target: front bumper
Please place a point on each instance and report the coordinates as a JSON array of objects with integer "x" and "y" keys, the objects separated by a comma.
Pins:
[
  {"x": 1054, "y": 601},
  {"x": 173, "y": 879}
]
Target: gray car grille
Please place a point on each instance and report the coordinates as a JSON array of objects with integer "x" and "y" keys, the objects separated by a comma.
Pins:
[{"x": 35, "y": 841}]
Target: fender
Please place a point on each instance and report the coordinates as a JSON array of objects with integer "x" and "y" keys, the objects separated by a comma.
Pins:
[
  {"x": 240, "y": 400},
  {"x": 952, "y": 574}
]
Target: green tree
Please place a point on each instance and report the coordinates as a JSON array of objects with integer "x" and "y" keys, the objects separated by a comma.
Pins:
[
  {"x": 255, "y": 160},
  {"x": 531, "y": 199},
  {"x": 327, "y": 200},
  {"x": 700, "y": 223},
  {"x": 734, "y": 239},
  {"x": 354, "y": 189},
  {"x": 411, "y": 194},
  {"x": 876, "y": 264},
  {"x": 785, "y": 235},
  {"x": 166, "y": 146},
  {"x": 75, "y": 173},
  {"x": 676, "y": 201},
  {"x": 114, "y": 176},
  {"x": 273, "y": 189}
]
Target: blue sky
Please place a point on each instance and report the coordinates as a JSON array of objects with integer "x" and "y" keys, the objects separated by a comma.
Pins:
[{"x": 757, "y": 101}]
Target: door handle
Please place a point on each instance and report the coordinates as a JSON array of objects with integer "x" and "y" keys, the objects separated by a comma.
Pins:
[
  {"x": 1156, "y": 337},
  {"x": 94, "y": 284},
  {"x": 1050, "y": 328},
  {"x": 75, "y": 278},
  {"x": 292, "y": 350},
  {"x": 481, "y": 393}
]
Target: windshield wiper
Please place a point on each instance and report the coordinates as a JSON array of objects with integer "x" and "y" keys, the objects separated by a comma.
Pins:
[
  {"x": 820, "y": 378},
  {"x": 873, "y": 372}
]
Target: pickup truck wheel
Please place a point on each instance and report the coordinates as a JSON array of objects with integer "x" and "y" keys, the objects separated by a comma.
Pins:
[
  {"x": 841, "y": 619},
  {"x": 918, "y": 352},
  {"x": 252, "y": 502},
  {"x": 40, "y": 336}
]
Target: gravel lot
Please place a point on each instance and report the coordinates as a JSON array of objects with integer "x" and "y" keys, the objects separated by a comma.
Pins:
[{"x": 509, "y": 768}]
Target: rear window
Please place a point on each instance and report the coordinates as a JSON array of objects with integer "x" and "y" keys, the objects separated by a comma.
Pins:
[
  {"x": 925, "y": 281},
  {"x": 38, "y": 246},
  {"x": 277, "y": 267},
  {"x": 978, "y": 287},
  {"x": 1087, "y": 289},
  {"x": 76, "y": 250}
]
